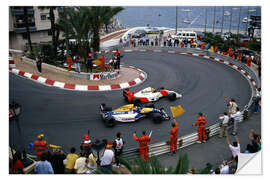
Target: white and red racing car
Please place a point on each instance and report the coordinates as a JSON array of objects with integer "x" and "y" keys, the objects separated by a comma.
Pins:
[{"x": 149, "y": 95}]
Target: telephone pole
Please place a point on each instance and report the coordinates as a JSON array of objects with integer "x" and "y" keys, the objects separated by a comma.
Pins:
[
  {"x": 222, "y": 21},
  {"x": 176, "y": 23},
  {"x": 214, "y": 19},
  {"x": 205, "y": 20},
  {"x": 230, "y": 21},
  {"x": 239, "y": 20}
]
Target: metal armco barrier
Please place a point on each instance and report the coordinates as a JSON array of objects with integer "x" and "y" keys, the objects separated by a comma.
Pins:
[{"x": 162, "y": 148}]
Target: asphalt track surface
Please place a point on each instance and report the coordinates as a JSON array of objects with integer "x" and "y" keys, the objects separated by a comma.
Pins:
[{"x": 64, "y": 116}]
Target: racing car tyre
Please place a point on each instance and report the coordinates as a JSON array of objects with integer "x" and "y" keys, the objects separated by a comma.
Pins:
[
  {"x": 110, "y": 122},
  {"x": 172, "y": 96},
  {"x": 136, "y": 101},
  {"x": 149, "y": 105},
  {"x": 106, "y": 108},
  {"x": 157, "y": 118}
]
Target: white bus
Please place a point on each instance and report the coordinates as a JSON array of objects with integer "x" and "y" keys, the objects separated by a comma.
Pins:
[{"x": 185, "y": 35}]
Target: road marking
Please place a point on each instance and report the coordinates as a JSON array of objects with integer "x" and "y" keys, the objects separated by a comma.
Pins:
[
  {"x": 124, "y": 85},
  {"x": 59, "y": 84},
  {"x": 16, "y": 71},
  {"x": 105, "y": 88},
  {"x": 41, "y": 79},
  {"x": 137, "y": 80},
  {"x": 81, "y": 87},
  {"x": 28, "y": 75}
]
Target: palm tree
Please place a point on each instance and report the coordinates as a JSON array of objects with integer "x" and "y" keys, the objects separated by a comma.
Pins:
[
  {"x": 52, "y": 19},
  {"x": 27, "y": 28},
  {"x": 99, "y": 16},
  {"x": 139, "y": 166}
]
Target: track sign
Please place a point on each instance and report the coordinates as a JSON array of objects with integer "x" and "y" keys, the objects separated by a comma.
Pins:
[{"x": 177, "y": 110}]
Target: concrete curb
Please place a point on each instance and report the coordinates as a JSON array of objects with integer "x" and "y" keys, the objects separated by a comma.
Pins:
[{"x": 76, "y": 87}]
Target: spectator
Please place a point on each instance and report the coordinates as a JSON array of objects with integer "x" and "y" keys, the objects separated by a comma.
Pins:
[
  {"x": 108, "y": 157},
  {"x": 231, "y": 105},
  {"x": 237, "y": 117},
  {"x": 39, "y": 64},
  {"x": 249, "y": 149},
  {"x": 217, "y": 170},
  {"x": 192, "y": 171},
  {"x": 224, "y": 168},
  {"x": 77, "y": 64},
  {"x": 224, "y": 125},
  {"x": 86, "y": 145},
  {"x": 89, "y": 63},
  {"x": 91, "y": 164},
  {"x": 71, "y": 159},
  {"x": 43, "y": 166},
  {"x": 57, "y": 161},
  {"x": 235, "y": 148},
  {"x": 118, "y": 146},
  {"x": 255, "y": 140},
  {"x": 143, "y": 140},
  {"x": 17, "y": 165},
  {"x": 257, "y": 100},
  {"x": 40, "y": 145},
  {"x": 201, "y": 121},
  {"x": 81, "y": 164}
]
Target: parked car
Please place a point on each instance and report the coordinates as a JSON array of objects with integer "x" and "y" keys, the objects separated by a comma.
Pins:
[
  {"x": 244, "y": 41},
  {"x": 152, "y": 30},
  {"x": 138, "y": 33}
]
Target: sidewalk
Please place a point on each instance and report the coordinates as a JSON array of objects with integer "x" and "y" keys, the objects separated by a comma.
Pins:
[{"x": 127, "y": 74}]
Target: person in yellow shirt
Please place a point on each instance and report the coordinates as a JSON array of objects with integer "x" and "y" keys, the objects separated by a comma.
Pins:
[{"x": 71, "y": 159}]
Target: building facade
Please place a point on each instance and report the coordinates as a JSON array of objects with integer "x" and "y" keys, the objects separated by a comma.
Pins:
[{"x": 38, "y": 22}]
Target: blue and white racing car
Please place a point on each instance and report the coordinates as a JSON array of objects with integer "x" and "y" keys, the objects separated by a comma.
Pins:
[{"x": 131, "y": 113}]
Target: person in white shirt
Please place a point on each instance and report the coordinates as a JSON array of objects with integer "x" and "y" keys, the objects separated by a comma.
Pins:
[
  {"x": 224, "y": 125},
  {"x": 237, "y": 117},
  {"x": 108, "y": 158},
  {"x": 80, "y": 164},
  {"x": 224, "y": 168},
  {"x": 235, "y": 148}
]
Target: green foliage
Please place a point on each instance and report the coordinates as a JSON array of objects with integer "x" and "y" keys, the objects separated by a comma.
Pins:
[
  {"x": 182, "y": 165},
  {"x": 207, "y": 169},
  {"x": 254, "y": 45}
]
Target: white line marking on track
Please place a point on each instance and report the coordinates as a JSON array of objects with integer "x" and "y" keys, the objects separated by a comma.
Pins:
[
  {"x": 105, "y": 88},
  {"x": 124, "y": 85},
  {"x": 81, "y": 87},
  {"x": 59, "y": 84}
]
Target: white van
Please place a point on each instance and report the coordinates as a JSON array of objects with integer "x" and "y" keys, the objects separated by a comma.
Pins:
[{"x": 185, "y": 35}]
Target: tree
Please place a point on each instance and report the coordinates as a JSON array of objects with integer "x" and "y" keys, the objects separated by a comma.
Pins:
[
  {"x": 99, "y": 16},
  {"x": 27, "y": 28},
  {"x": 52, "y": 19}
]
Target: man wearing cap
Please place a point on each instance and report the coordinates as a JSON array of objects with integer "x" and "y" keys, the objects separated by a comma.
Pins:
[
  {"x": 143, "y": 140},
  {"x": 201, "y": 121},
  {"x": 86, "y": 145},
  {"x": 173, "y": 137},
  {"x": 40, "y": 146}
]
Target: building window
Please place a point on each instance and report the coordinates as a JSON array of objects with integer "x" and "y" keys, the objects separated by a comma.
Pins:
[
  {"x": 24, "y": 35},
  {"x": 44, "y": 17},
  {"x": 49, "y": 32}
]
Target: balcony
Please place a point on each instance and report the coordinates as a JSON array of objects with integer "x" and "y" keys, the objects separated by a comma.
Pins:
[
  {"x": 21, "y": 11},
  {"x": 23, "y": 29}
]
